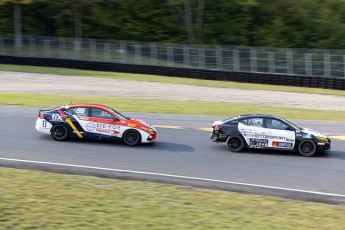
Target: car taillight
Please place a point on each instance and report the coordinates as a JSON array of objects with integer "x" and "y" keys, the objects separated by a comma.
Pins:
[
  {"x": 216, "y": 127},
  {"x": 42, "y": 116}
]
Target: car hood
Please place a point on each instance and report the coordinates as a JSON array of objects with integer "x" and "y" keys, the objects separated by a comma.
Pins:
[
  {"x": 142, "y": 122},
  {"x": 313, "y": 132}
]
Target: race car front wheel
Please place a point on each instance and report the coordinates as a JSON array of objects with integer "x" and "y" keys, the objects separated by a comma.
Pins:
[
  {"x": 59, "y": 132},
  {"x": 235, "y": 143},
  {"x": 307, "y": 148},
  {"x": 131, "y": 137}
]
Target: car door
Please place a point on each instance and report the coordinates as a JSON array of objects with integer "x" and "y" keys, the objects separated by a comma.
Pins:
[
  {"x": 103, "y": 123},
  {"x": 253, "y": 130},
  {"x": 79, "y": 118},
  {"x": 279, "y": 134}
]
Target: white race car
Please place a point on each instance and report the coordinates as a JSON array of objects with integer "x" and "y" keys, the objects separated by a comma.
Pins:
[{"x": 268, "y": 132}]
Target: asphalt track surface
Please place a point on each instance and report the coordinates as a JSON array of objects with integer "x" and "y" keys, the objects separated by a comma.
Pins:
[{"x": 182, "y": 155}]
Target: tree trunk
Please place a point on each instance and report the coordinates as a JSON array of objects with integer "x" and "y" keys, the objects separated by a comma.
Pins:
[
  {"x": 188, "y": 22},
  {"x": 17, "y": 27},
  {"x": 77, "y": 28},
  {"x": 200, "y": 15}
]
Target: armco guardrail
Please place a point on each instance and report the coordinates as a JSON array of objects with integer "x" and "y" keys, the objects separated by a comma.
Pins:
[{"x": 260, "y": 78}]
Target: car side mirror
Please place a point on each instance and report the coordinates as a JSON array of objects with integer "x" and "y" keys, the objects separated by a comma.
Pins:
[
  {"x": 288, "y": 128},
  {"x": 115, "y": 119}
]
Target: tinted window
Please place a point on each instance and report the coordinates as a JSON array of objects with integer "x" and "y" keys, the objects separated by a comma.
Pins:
[
  {"x": 100, "y": 113},
  {"x": 79, "y": 111},
  {"x": 275, "y": 124},
  {"x": 255, "y": 121}
]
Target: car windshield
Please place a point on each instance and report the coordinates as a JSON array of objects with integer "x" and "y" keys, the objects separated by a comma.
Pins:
[
  {"x": 119, "y": 114},
  {"x": 291, "y": 124}
]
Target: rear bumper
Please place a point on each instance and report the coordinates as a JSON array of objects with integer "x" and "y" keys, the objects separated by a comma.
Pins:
[{"x": 217, "y": 136}]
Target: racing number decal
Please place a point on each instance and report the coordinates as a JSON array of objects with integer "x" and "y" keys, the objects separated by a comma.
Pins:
[{"x": 44, "y": 124}]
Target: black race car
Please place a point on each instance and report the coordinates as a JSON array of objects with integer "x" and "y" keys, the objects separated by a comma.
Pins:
[{"x": 267, "y": 132}]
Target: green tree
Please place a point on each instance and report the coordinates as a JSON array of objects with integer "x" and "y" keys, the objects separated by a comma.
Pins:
[{"x": 17, "y": 15}]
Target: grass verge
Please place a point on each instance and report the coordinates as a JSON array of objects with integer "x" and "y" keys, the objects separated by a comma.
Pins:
[
  {"x": 164, "y": 79},
  {"x": 81, "y": 202},
  {"x": 168, "y": 106}
]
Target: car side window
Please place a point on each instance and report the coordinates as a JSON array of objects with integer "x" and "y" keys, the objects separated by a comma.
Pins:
[
  {"x": 275, "y": 124},
  {"x": 79, "y": 111},
  {"x": 100, "y": 113},
  {"x": 255, "y": 121},
  {"x": 244, "y": 121}
]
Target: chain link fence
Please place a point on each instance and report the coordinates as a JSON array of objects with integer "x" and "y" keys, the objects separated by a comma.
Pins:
[{"x": 292, "y": 61}]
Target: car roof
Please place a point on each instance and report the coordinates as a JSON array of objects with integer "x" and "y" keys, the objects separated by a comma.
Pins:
[
  {"x": 87, "y": 105},
  {"x": 257, "y": 115}
]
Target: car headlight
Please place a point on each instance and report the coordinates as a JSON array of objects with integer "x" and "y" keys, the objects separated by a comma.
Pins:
[
  {"x": 324, "y": 139},
  {"x": 146, "y": 129}
]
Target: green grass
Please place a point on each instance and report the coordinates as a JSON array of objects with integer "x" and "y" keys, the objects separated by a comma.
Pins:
[
  {"x": 40, "y": 200},
  {"x": 168, "y": 106},
  {"x": 163, "y": 79}
]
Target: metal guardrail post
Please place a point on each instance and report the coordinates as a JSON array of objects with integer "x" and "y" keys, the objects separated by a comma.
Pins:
[
  {"x": 32, "y": 47},
  {"x": 308, "y": 65},
  {"x": 62, "y": 47},
  {"x": 271, "y": 62},
  {"x": 253, "y": 60},
  {"x": 153, "y": 53},
  {"x": 219, "y": 57},
  {"x": 123, "y": 51},
  {"x": 2, "y": 47},
  {"x": 236, "y": 60},
  {"x": 327, "y": 63},
  {"x": 344, "y": 65},
  {"x": 46, "y": 44},
  {"x": 289, "y": 61},
  {"x": 186, "y": 56},
  {"x": 201, "y": 58},
  {"x": 170, "y": 56},
  {"x": 92, "y": 49},
  {"x": 106, "y": 49},
  {"x": 137, "y": 49}
]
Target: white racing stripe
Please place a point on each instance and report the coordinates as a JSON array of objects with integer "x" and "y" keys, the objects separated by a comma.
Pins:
[{"x": 175, "y": 176}]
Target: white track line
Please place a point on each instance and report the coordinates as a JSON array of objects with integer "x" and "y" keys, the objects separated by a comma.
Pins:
[{"x": 175, "y": 176}]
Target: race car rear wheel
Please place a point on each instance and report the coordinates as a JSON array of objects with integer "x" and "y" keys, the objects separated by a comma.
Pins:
[
  {"x": 131, "y": 137},
  {"x": 235, "y": 143},
  {"x": 59, "y": 132},
  {"x": 307, "y": 148}
]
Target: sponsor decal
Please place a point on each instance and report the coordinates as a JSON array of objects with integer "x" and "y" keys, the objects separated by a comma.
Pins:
[
  {"x": 282, "y": 144},
  {"x": 102, "y": 128},
  {"x": 298, "y": 135},
  {"x": 83, "y": 118},
  {"x": 289, "y": 139},
  {"x": 306, "y": 135},
  {"x": 258, "y": 142},
  {"x": 321, "y": 143},
  {"x": 90, "y": 126},
  {"x": 56, "y": 117}
]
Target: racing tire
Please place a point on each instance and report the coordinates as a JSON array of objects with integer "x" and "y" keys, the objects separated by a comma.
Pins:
[
  {"x": 131, "y": 137},
  {"x": 235, "y": 143},
  {"x": 307, "y": 148},
  {"x": 59, "y": 132}
]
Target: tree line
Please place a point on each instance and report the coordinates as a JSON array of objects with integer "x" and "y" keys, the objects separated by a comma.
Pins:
[{"x": 278, "y": 23}]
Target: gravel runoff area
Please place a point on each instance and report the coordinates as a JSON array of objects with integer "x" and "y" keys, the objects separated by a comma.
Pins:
[{"x": 61, "y": 84}]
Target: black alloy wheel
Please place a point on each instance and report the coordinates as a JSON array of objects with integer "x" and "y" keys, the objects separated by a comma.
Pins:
[
  {"x": 235, "y": 143},
  {"x": 59, "y": 132},
  {"x": 132, "y": 137},
  {"x": 307, "y": 148}
]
